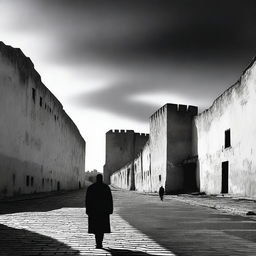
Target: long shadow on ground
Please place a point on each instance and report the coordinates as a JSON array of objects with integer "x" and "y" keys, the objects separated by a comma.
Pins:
[
  {"x": 24, "y": 242},
  {"x": 71, "y": 199},
  {"x": 124, "y": 252},
  {"x": 187, "y": 230}
]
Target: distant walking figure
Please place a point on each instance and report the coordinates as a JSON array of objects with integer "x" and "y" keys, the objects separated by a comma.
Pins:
[
  {"x": 99, "y": 205},
  {"x": 161, "y": 193}
]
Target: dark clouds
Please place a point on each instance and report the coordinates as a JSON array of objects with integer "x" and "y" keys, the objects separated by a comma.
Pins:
[
  {"x": 120, "y": 97},
  {"x": 115, "y": 99},
  {"x": 125, "y": 31},
  {"x": 195, "y": 48},
  {"x": 120, "y": 31}
]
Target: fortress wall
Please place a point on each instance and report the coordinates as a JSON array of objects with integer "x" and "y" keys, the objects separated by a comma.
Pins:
[
  {"x": 179, "y": 146},
  {"x": 123, "y": 177},
  {"x": 158, "y": 147},
  {"x": 136, "y": 174},
  {"x": 234, "y": 110},
  {"x": 41, "y": 149},
  {"x": 122, "y": 146},
  {"x": 160, "y": 162},
  {"x": 140, "y": 140},
  {"x": 187, "y": 151},
  {"x": 119, "y": 151},
  {"x": 195, "y": 152},
  {"x": 142, "y": 170}
]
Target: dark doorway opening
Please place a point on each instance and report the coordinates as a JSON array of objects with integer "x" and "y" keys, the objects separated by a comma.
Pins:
[
  {"x": 224, "y": 185},
  {"x": 58, "y": 186},
  {"x": 79, "y": 185},
  {"x": 190, "y": 184}
]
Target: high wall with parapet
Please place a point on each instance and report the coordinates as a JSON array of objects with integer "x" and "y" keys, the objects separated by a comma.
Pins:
[
  {"x": 214, "y": 151},
  {"x": 158, "y": 147},
  {"x": 123, "y": 178},
  {"x": 161, "y": 161},
  {"x": 225, "y": 137},
  {"x": 41, "y": 148},
  {"x": 171, "y": 145},
  {"x": 179, "y": 148},
  {"x": 121, "y": 147},
  {"x": 135, "y": 174},
  {"x": 142, "y": 170}
]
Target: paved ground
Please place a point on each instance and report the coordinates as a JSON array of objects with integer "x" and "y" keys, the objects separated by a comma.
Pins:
[
  {"x": 226, "y": 203},
  {"x": 141, "y": 225}
]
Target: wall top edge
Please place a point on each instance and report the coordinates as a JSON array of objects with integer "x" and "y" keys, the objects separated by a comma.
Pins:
[
  {"x": 27, "y": 70},
  {"x": 229, "y": 90},
  {"x": 193, "y": 110},
  {"x": 25, "y": 66},
  {"x": 116, "y": 131}
]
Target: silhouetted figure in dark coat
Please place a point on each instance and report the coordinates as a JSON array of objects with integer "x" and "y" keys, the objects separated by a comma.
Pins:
[
  {"x": 161, "y": 193},
  {"x": 99, "y": 205}
]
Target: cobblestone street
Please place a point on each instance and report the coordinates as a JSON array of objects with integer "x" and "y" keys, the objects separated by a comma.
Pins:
[{"x": 141, "y": 225}]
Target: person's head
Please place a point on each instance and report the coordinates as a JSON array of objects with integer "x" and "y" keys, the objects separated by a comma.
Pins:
[{"x": 99, "y": 178}]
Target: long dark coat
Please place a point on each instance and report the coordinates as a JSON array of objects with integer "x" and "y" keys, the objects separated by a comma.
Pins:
[
  {"x": 99, "y": 205},
  {"x": 161, "y": 191}
]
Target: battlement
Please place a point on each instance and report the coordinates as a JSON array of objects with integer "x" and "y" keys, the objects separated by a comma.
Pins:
[
  {"x": 116, "y": 131},
  {"x": 127, "y": 132},
  {"x": 142, "y": 134},
  {"x": 170, "y": 107}
]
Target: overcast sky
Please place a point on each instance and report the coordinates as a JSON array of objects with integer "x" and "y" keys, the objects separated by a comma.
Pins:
[{"x": 113, "y": 63}]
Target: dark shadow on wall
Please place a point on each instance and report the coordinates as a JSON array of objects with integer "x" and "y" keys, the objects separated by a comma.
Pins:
[
  {"x": 23, "y": 242},
  {"x": 124, "y": 252},
  {"x": 71, "y": 199}
]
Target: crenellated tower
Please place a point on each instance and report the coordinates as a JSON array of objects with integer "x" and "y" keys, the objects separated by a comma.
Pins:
[
  {"x": 121, "y": 147},
  {"x": 170, "y": 145}
]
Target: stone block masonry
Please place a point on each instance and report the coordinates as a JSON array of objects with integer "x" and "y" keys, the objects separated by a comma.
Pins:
[{"x": 41, "y": 148}]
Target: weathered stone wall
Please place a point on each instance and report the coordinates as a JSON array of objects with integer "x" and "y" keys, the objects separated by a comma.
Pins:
[
  {"x": 142, "y": 170},
  {"x": 136, "y": 174},
  {"x": 170, "y": 146},
  {"x": 121, "y": 148},
  {"x": 187, "y": 152},
  {"x": 41, "y": 149},
  {"x": 234, "y": 110},
  {"x": 123, "y": 178},
  {"x": 161, "y": 161},
  {"x": 179, "y": 146},
  {"x": 158, "y": 147},
  {"x": 195, "y": 151}
]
